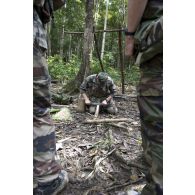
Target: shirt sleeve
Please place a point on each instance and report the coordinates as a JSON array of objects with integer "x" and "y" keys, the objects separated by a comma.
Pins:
[
  {"x": 83, "y": 87},
  {"x": 39, "y": 33},
  {"x": 38, "y": 3},
  {"x": 112, "y": 88}
]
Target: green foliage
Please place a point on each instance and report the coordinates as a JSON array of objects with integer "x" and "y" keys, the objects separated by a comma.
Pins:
[
  {"x": 63, "y": 71},
  {"x": 114, "y": 73},
  {"x": 72, "y": 67},
  {"x": 69, "y": 18},
  {"x": 132, "y": 75},
  {"x": 56, "y": 67},
  {"x": 109, "y": 58},
  {"x": 67, "y": 71},
  {"x": 72, "y": 18},
  {"x": 95, "y": 66}
]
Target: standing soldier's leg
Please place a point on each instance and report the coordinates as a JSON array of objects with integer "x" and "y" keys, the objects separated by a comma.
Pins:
[
  {"x": 45, "y": 168},
  {"x": 150, "y": 102}
]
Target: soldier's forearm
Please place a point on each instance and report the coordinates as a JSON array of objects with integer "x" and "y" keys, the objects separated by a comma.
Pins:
[
  {"x": 135, "y": 12},
  {"x": 109, "y": 98},
  {"x": 85, "y": 96}
]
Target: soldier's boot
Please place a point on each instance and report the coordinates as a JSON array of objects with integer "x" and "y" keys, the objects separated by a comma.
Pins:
[{"x": 53, "y": 187}]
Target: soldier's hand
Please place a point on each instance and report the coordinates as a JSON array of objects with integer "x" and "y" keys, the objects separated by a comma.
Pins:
[
  {"x": 129, "y": 46},
  {"x": 87, "y": 101},
  {"x": 104, "y": 102}
]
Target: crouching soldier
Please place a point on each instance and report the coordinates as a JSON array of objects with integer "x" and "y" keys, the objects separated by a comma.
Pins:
[{"x": 99, "y": 88}]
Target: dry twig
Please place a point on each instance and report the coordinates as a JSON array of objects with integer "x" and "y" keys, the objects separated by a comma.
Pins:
[
  {"x": 106, "y": 120},
  {"x": 98, "y": 162},
  {"x": 125, "y": 184},
  {"x": 117, "y": 155}
]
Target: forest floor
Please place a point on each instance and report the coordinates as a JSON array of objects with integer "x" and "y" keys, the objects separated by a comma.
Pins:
[{"x": 102, "y": 158}]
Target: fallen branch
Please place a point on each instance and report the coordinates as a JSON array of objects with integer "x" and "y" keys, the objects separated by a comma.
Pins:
[
  {"x": 106, "y": 120},
  {"x": 95, "y": 144},
  {"x": 110, "y": 137},
  {"x": 59, "y": 123},
  {"x": 117, "y": 155},
  {"x": 97, "y": 164},
  {"x": 125, "y": 184},
  {"x": 120, "y": 97},
  {"x": 126, "y": 128},
  {"x": 121, "y": 126},
  {"x": 63, "y": 140},
  {"x": 56, "y": 106}
]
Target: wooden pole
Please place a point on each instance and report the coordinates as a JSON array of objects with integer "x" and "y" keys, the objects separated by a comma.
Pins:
[
  {"x": 121, "y": 60},
  {"x": 98, "y": 54},
  {"x": 97, "y": 31},
  {"x": 97, "y": 111}
]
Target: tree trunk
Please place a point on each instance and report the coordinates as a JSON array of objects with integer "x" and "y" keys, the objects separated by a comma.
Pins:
[
  {"x": 96, "y": 12},
  {"x": 78, "y": 47},
  {"x": 84, "y": 70},
  {"x": 62, "y": 39},
  {"x": 88, "y": 42},
  {"x": 70, "y": 46},
  {"x": 104, "y": 33}
]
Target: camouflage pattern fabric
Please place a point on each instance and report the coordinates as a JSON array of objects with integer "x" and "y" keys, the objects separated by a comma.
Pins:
[
  {"x": 150, "y": 102},
  {"x": 150, "y": 94},
  {"x": 149, "y": 35},
  {"x": 45, "y": 168},
  {"x": 39, "y": 34},
  {"x": 97, "y": 92},
  {"x": 110, "y": 108}
]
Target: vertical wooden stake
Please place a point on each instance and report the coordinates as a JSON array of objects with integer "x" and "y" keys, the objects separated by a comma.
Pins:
[
  {"x": 121, "y": 60},
  {"x": 97, "y": 110}
]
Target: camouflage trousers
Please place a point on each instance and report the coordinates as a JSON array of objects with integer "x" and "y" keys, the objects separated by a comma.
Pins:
[
  {"x": 110, "y": 108},
  {"x": 150, "y": 103},
  {"x": 45, "y": 168}
]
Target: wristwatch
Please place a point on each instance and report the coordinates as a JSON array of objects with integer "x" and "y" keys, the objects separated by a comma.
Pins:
[{"x": 129, "y": 33}]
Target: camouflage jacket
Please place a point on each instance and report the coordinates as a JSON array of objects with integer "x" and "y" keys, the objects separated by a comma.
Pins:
[
  {"x": 150, "y": 32},
  {"x": 39, "y": 33},
  {"x": 93, "y": 88}
]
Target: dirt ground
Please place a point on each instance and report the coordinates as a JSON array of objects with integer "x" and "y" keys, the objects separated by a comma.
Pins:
[{"x": 102, "y": 158}]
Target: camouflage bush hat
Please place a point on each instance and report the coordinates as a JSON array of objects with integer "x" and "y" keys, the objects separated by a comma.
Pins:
[{"x": 102, "y": 76}]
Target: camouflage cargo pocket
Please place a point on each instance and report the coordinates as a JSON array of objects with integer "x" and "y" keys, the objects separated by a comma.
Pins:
[
  {"x": 153, "y": 34},
  {"x": 150, "y": 37}
]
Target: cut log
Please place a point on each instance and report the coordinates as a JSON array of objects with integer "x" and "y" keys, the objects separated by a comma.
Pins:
[{"x": 106, "y": 120}]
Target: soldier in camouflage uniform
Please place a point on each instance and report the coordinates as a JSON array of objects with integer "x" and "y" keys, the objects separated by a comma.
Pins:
[
  {"x": 48, "y": 176},
  {"x": 145, "y": 27},
  {"x": 99, "y": 88}
]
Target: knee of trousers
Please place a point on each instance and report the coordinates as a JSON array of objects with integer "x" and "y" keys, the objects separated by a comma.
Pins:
[
  {"x": 92, "y": 109},
  {"x": 112, "y": 110}
]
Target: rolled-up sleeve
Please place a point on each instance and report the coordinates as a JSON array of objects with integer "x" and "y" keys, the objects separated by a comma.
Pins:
[
  {"x": 112, "y": 88},
  {"x": 83, "y": 86}
]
